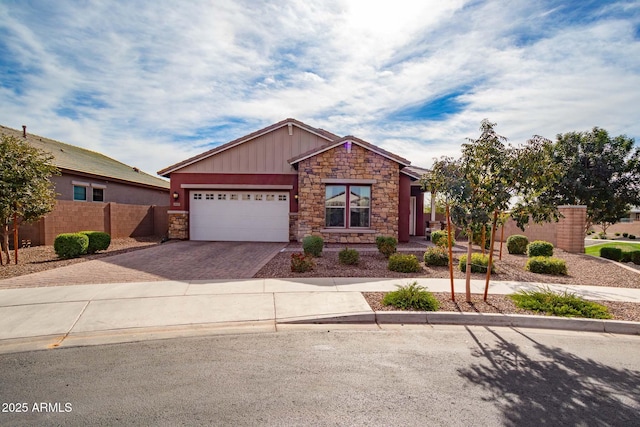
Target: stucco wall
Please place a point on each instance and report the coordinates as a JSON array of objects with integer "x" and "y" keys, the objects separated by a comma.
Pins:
[
  {"x": 359, "y": 164},
  {"x": 113, "y": 191}
]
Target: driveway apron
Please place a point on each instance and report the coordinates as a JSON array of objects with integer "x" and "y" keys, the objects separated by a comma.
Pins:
[{"x": 188, "y": 260}]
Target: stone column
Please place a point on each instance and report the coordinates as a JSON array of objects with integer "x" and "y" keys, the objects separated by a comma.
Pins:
[
  {"x": 178, "y": 225},
  {"x": 570, "y": 234}
]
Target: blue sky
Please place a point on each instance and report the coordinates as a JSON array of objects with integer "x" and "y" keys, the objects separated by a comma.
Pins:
[{"x": 152, "y": 83}]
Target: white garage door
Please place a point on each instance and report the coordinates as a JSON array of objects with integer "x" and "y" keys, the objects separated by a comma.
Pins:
[{"x": 244, "y": 216}]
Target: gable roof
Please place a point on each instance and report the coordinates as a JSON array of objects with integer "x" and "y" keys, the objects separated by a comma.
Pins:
[
  {"x": 75, "y": 159},
  {"x": 364, "y": 144},
  {"x": 286, "y": 122}
]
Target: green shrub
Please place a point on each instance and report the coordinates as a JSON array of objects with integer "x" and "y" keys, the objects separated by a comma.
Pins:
[
  {"x": 70, "y": 245},
  {"x": 625, "y": 256},
  {"x": 635, "y": 257},
  {"x": 546, "y": 265},
  {"x": 436, "y": 256},
  {"x": 630, "y": 256},
  {"x": 387, "y": 245},
  {"x": 98, "y": 241},
  {"x": 411, "y": 297},
  {"x": 602, "y": 235},
  {"x": 404, "y": 263},
  {"x": 617, "y": 234},
  {"x": 301, "y": 263},
  {"x": 517, "y": 244},
  {"x": 441, "y": 238},
  {"x": 348, "y": 256},
  {"x": 625, "y": 235},
  {"x": 312, "y": 245},
  {"x": 479, "y": 263},
  {"x": 566, "y": 305},
  {"x": 611, "y": 253},
  {"x": 539, "y": 248},
  {"x": 632, "y": 236}
]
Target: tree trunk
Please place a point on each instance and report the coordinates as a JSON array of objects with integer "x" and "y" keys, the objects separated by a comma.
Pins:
[
  {"x": 450, "y": 237},
  {"x": 5, "y": 242},
  {"x": 492, "y": 242},
  {"x": 501, "y": 240},
  {"x": 15, "y": 238},
  {"x": 468, "y": 277}
]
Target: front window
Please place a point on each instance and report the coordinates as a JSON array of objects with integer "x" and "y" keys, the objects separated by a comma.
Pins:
[
  {"x": 79, "y": 193},
  {"x": 358, "y": 200}
]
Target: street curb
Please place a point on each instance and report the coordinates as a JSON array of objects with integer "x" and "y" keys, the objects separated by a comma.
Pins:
[
  {"x": 491, "y": 319},
  {"x": 363, "y": 317}
]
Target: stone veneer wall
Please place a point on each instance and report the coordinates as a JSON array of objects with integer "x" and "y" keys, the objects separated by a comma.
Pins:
[
  {"x": 178, "y": 225},
  {"x": 293, "y": 226},
  {"x": 337, "y": 163}
]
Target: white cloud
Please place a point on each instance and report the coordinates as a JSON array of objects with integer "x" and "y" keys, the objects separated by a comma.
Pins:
[{"x": 152, "y": 83}]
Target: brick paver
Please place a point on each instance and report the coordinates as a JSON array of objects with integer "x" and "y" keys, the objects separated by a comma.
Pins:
[{"x": 187, "y": 260}]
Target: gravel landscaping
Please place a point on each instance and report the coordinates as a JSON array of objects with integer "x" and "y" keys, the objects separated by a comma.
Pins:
[{"x": 582, "y": 269}]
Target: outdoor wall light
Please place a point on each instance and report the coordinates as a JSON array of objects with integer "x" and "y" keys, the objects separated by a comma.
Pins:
[
  {"x": 348, "y": 145},
  {"x": 176, "y": 196}
]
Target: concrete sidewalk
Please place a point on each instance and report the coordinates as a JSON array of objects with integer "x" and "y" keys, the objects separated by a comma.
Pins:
[{"x": 47, "y": 317}]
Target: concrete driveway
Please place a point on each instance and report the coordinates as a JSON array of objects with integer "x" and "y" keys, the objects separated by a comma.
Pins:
[{"x": 187, "y": 260}]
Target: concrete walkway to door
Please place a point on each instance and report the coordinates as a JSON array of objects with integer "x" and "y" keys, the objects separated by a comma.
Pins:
[{"x": 185, "y": 260}]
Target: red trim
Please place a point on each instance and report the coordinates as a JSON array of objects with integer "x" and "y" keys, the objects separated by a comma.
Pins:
[
  {"x": 419, "y": 195},
  {"x": 404, "y": 211},
  {"x": 177, "y": 179}
]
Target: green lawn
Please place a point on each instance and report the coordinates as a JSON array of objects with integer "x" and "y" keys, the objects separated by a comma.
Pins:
[{"x": 625, "y": 246}]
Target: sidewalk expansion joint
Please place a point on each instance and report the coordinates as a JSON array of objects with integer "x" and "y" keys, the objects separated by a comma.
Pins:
[{"x": 75, "y": 322}]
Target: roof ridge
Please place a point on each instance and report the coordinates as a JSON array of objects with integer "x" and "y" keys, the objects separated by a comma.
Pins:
[{"x": 321, "y": 132}]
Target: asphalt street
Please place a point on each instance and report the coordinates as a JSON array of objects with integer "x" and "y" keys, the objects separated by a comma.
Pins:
[{"x": 326, "y": 375}]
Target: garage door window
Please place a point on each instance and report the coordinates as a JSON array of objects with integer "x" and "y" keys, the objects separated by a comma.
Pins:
[{"x": 347, "y": 206}]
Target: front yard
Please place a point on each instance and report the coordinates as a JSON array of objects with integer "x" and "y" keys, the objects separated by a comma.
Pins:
[{"x": 582, "y": 269}]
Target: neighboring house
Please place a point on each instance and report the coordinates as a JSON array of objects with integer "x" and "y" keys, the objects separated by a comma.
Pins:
[
  {"x": 290, "y": 180},
  {"x": 634, "y": 215},
  {"x": 96, "y": 192},
  {"x": 87, "y": 176}
]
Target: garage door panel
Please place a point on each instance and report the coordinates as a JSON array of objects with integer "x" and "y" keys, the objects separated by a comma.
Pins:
[{"x": 239, "y": 216}]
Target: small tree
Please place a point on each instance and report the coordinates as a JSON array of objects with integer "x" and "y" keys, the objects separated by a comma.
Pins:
[
  {"x": 26, "y": 193},
  {"x": 486, "y": 179}
]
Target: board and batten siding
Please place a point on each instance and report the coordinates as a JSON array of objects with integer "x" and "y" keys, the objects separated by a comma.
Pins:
[{"x": 266, "y": 154}]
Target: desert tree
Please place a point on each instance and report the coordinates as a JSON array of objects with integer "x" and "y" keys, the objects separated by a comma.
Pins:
[
  {"x": 492, "y": 177},
  {"x": 26, "y": 192}
]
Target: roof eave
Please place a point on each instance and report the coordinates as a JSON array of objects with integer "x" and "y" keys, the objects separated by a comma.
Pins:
[{"x": 363, "y": 144}]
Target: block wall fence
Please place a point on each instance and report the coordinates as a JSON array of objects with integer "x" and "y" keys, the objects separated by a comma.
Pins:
[
  {"x": 119, "y": 220},
  {"x": 566, "y": 234}
]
